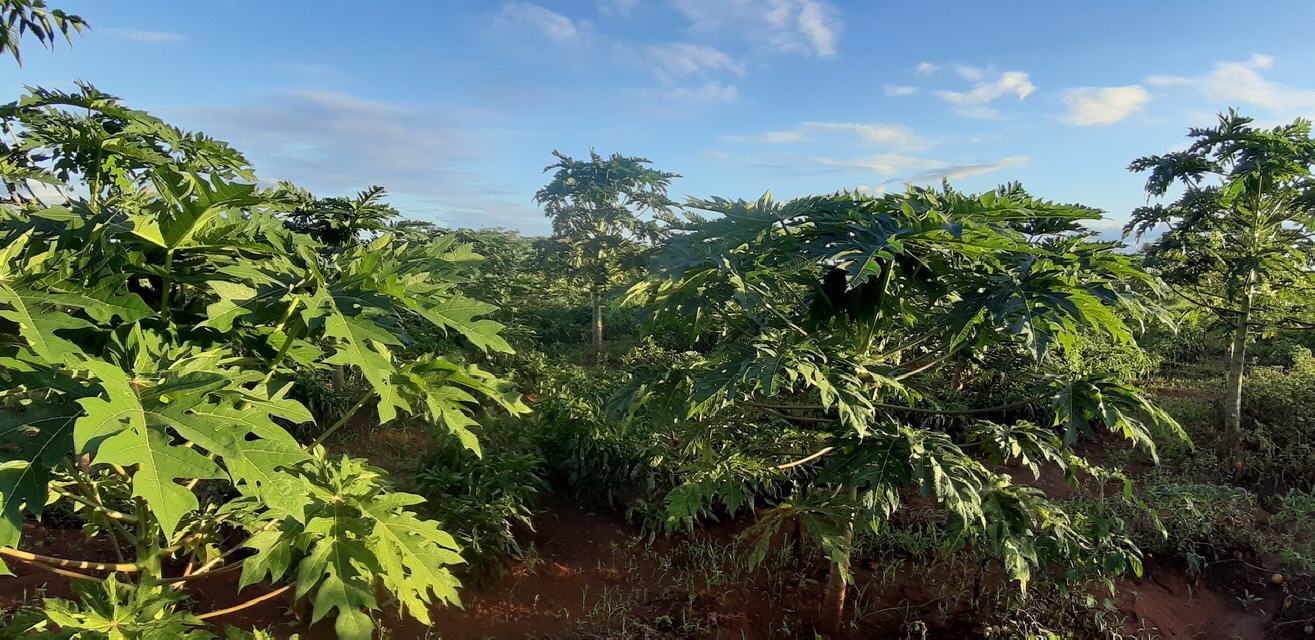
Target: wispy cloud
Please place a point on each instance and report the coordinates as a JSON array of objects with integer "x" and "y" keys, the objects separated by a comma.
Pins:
[
  {"x": 969, "y": 72},
  {"x": 1103, "y": 106},
  {"x": 885, "y": 164},
  {"x": 988, "y": 87},
  {"x": 680, "y": 59},
  {"x": 524, "y": 17},
  {"x": 152, "y": 37},
  {"x": 818, "y": 24},
  {"x": 334, "y": 143},
  {"x": 900, "y": 90},
  {"x": 919, "y": 170},
  {"x": 960, "y": 171},
  {"x": 810, "y": 27},
  {"x": 710, "y": 91},
  {"x": 687, "y": 71},
  {"x": 893, "y": 136},
  {"x": 1243, "y": 82}
]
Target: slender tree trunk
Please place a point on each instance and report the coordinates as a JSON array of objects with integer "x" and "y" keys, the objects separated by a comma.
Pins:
[
  {"x": 1236, "y": 366},
  {"x": 597, "y": 300},
  {"x": 833, "y": 604},
  {"x": 837, "y": 584}
]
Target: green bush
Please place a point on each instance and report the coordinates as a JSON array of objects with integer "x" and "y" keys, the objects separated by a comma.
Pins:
[
  {"x": 1294, "y": 530},
  {"x": 1096, "y": 354},
  {"x": 1200, "y": 521},
  {"x": 629, "y": 465},
  {"x": 1282, "y": 352},
  {"x": 1280, "y": 436},
  {"x": 1009, "y": 370},
  {"x": 593, "y": 456},
  {"x": 481, "y": 499},
  {"x": 1199, "y": 418},
  {"x": 1192, "y": 335}
]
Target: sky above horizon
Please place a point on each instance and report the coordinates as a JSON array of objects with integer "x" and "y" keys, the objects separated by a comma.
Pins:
[{"x": 456, "y": 106}]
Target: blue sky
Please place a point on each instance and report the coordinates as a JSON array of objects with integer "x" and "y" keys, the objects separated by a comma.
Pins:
[{"x": 454, "y": 107}]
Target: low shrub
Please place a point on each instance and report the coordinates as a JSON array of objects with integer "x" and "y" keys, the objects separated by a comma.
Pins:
[
  {"x": 1199, "y": 416},
  {"x": 625, "y": 466},
  {"x": 1282, "y": 352},
  {"x": 482, "y": 499},
  {"x": 1279, "y": 438},
  {"x": 1293, "y": 527},
  {"x": 1194, "y": 333},
  {"x": 1194, "y": 522}
]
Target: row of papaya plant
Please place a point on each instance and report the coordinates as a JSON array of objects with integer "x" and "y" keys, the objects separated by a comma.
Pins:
[
  {"x": 831, "y": 323},
  {"x": 152, "y": 323}
]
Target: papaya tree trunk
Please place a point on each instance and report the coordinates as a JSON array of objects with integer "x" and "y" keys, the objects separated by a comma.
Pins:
[
  {"x": 833, "y": 603},
  {"x": 597, "y": 301},
  {"x": 837, "y": 584},
  {"x": 1236, "y": 369}
]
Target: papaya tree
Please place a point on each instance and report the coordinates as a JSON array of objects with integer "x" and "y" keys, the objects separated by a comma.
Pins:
[
  {"x": 23, "y": 17},
  {"x": 1237, "y": 241},
  {"x": 825, "y": 327},
  {"x": 151, "y": 334},
  {"x": 340, "y": 221},
  {"x": 599, "y": 234}
]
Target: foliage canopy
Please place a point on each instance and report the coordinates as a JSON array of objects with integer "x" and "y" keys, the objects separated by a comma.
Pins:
[
  {"x": 150, "y": 335},
  {"x": 1238, "y": 240},
  {"x": 825, "y": 321}
]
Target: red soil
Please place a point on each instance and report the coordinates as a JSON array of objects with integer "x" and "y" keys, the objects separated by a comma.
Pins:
[
  {"x": 589, "y": 576},
  {"x": 1174, "y": 605}
]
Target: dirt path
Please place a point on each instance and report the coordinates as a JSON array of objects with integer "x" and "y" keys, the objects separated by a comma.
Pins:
[{"x": 587, "y": 575}]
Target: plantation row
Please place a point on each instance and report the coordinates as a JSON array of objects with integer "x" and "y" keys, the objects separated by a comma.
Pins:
[{"x": 186, "y": 353}]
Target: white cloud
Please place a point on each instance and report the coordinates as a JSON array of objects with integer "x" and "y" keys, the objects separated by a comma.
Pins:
[
  {"x": 928, "y": 169},
  {"x": 810, "y": 27},
  {"x": 1088, "y": 106},
  {"x": 900, "y": 90},
  {"x": 49, "y": 194},
  {"x": 780, "y": 136},
  {"x": 335, "y": 143},
  {"x": 672, "y": 61},
  {"x": 975, "y": 102},
  {"x": 710, "y": 91},
  {"x": 1169, "y": 81},
  {"x": 969, "y": 73},
  {"x": 1241, "y": 82},
  {"x": 960, "y": 171},
  {"x": 818, "y": 24},
  {"x": 1104, "y": 225},
  {"x": 523, "y": 16},
  {"x": 884, "y": 164},
  {"x": 893, "y": 136},
  {"x": 686, "y": 71},
  {"x": 153, "y": 37}
]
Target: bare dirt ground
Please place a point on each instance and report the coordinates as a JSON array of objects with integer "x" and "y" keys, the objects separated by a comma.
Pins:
[{"x": 587, "y": 575}]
